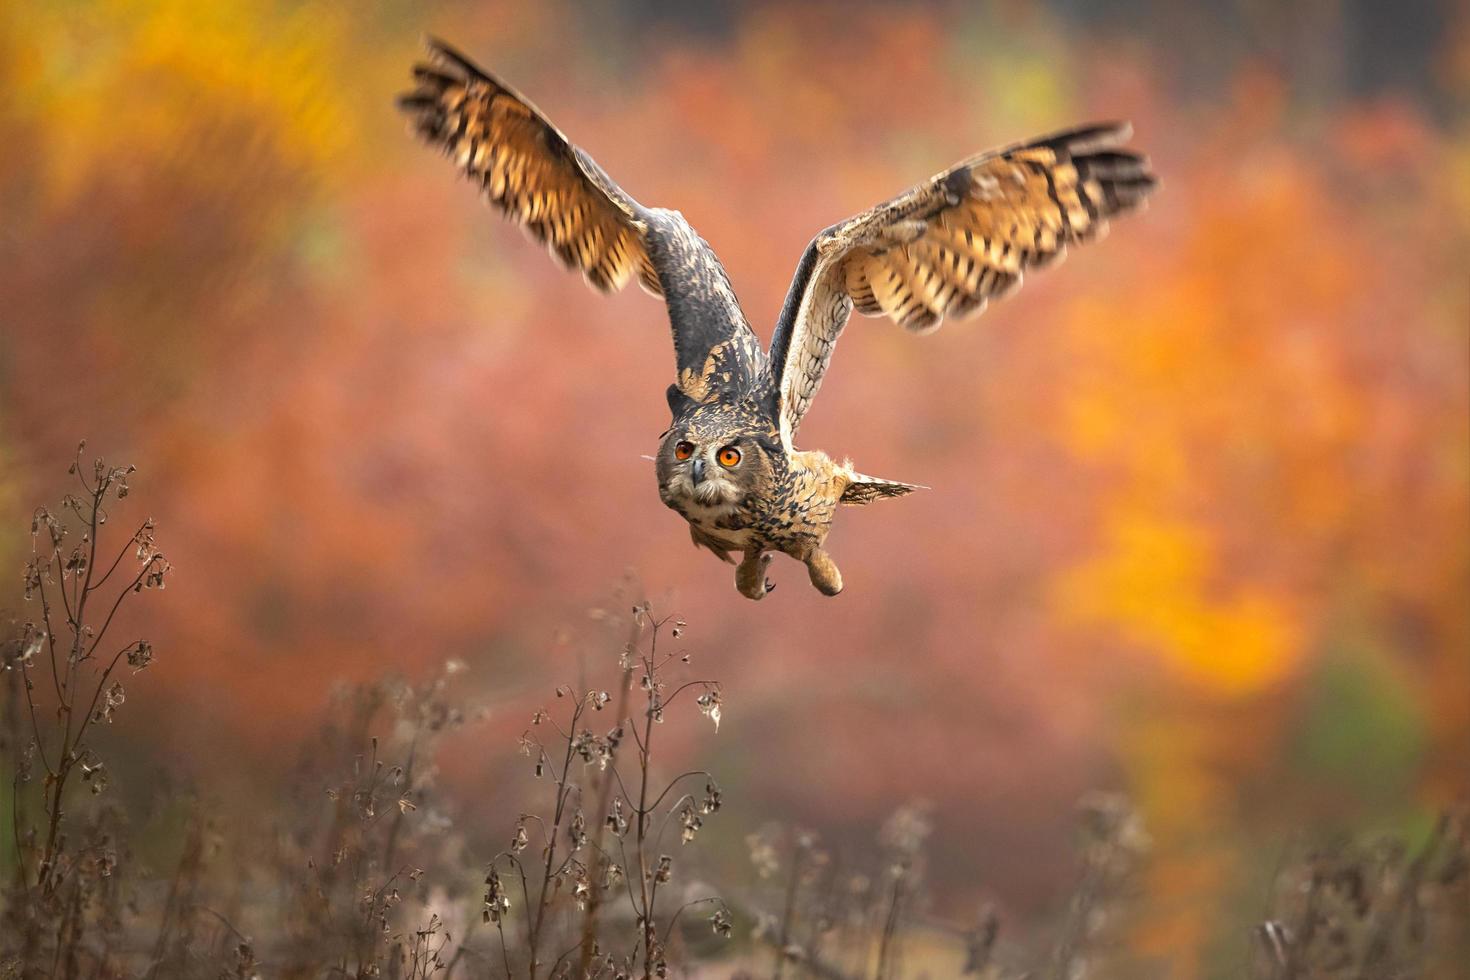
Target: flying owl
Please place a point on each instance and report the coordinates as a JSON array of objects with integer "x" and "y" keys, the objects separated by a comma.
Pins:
[{"x": 728, "y": 463}]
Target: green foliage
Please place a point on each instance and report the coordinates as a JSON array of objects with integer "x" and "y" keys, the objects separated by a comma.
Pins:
[{"x": 1361, "y": 733}]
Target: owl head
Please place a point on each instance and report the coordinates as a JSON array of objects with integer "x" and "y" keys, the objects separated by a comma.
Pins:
[{"x": 716, "y": 454}]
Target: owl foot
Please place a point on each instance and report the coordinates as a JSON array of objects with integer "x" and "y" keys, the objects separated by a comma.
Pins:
[
  {"x": 823, "y": 572},
  {"x": 750, "y": 576}
]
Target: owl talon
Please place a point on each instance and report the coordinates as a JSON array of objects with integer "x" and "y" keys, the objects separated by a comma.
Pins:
[{"x": 750, "y": 576}]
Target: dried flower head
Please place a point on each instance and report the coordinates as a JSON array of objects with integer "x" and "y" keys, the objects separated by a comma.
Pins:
[
  {"x": 691, "y": 820},
  {"x": 140, "y": 655},
  {"x": 709, "y": 704},
  {"x": 497, "y": 902},
  {"x": 112, "y": 699},
  {"x": 616, "y": 822}
]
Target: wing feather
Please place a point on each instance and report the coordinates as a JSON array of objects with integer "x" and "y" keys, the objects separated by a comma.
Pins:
[
  {"x": 529, "y": 170},
  {"x": 950, "y": 245},
  {"x": 539, "y": 179}
]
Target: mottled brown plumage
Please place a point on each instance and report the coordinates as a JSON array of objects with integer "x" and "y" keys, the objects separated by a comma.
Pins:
[{"x": 728, "y": 462}]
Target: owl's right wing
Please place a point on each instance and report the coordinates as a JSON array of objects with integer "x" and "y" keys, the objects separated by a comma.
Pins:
[
  {"x": 949, "y": 245},
  {"x": 538, "y": 178}
]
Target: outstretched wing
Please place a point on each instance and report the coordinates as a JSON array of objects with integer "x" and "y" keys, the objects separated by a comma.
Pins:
[
  {"x": 949, "y": 245},
  {"x": 538, "y": 178}
]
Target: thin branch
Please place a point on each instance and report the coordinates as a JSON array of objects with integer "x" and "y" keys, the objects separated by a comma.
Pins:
[
  {"x": 684, "y": 687},
  {"x": 122, "y": 554},
  {"x": 123, "y": 595},
  {"x": 35, "y": 721},
  {"x": 669, "y": 929},
  {"x": 675, "y": 781},
  {"x": 51, "y": 636}
]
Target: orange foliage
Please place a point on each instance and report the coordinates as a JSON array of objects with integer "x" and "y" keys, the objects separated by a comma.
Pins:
[{"x": 385, "y": 430}]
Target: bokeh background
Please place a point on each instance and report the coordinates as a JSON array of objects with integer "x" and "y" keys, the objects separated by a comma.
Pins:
[{"x": 1199, "y": 524}]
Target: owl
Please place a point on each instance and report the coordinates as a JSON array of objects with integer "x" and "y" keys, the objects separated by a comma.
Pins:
[{"x": 728, "y": 463}]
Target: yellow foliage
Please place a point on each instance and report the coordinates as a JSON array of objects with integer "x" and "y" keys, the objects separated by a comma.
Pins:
[
  {"x": 121, "y": 81},
  {"x": 1152, "y": 581}
]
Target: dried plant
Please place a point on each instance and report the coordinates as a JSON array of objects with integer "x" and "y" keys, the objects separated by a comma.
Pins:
[
  {"x": 361, "y": 894},
  {"x": 63, "y": 672},
  {"x": 1113, "y": 842},
  {"x": 840, "y": 919},
  {"x": 852, "y": 919},
  {"x": 362, "y": 872},
  {"x": 1372, "y": 910},
  {"x": 606, "y": 844}
]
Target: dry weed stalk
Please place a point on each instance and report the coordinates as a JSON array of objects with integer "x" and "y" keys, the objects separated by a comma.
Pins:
[
  {"x": 861, "y": 912},
  {"x": 361, "y": 906},
  {"x": 338, "y": 884},
  {"x": 1374, "y": 910},
  {"x": 62, "y": 675},
  {"x": 605, "y": 844},
  {"x": 855, "y": 921}
]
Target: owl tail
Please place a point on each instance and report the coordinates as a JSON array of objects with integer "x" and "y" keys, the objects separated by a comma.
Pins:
[{"x": 866, "y": 489}]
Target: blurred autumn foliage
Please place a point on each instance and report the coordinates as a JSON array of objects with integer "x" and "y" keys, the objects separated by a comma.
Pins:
[{"x": 1200, "y": 527}]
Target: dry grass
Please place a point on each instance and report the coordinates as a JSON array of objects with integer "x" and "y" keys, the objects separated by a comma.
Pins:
[{"x": 370, "y": 878}]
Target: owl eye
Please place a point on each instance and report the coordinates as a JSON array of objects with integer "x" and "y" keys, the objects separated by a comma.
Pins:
[
  {"x": 683, "y": 450},
  {"x": 729, "y": 456}
]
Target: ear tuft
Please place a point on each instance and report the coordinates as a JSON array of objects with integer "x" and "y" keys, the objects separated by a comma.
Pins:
[{"x": 679, "y": 403}]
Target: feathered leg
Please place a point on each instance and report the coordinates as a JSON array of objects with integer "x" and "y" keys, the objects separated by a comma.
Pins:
[
  {"x": 750, "y": 575},
  {"x": 823, "y": 572}
]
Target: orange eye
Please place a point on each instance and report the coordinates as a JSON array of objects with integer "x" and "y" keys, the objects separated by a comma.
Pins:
[
  {"x": 729, "y": 456},
  {"x": 684, "y": 450}
]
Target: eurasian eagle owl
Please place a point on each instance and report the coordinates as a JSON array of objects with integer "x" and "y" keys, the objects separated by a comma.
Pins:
[{"x": 728, "y": 462}]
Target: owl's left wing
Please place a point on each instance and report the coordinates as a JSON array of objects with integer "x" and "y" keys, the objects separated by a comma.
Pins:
[
  {"x": 949, "y": 245},
  {"x": 529, "y": 170},
  {"x": 556, "y": 191}
]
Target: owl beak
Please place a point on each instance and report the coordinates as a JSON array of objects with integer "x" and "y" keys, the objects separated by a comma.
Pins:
[{"x": 698, "y": 468}]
